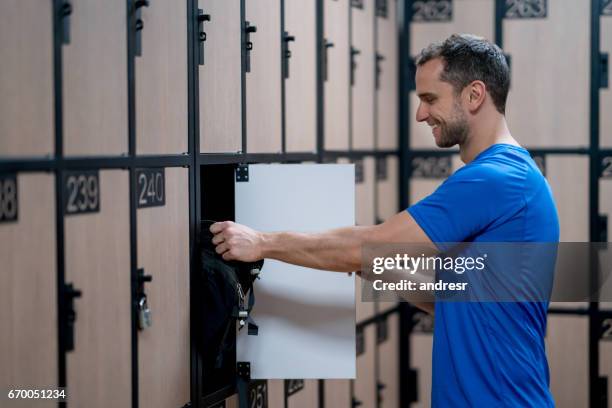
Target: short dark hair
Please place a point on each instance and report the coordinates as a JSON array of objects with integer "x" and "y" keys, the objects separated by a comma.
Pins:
[{"x": 469, "y": 58}]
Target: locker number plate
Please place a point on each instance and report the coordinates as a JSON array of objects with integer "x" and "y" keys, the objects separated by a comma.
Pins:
[
  {"x": 606, "y": 167},
  {"x": 526, "y": 9},
  {"x": 431, "y": 167},
  {"x": 432, "y": 10},
  {"x": 258, "y": 394},
  {"x": 8, "y": 198},
  {"x": 151, "y": 187},
  {"x": 81, "y": 192}
]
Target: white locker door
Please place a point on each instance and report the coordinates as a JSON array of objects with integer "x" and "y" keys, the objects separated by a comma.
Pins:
[
  {"x": 220, "y": 77},
  {"x": 386, "y": 71},
  {"x": 336, "y": 74},
  {"x": 305, "y": 317},
  {"x": 301, "y": 77}
]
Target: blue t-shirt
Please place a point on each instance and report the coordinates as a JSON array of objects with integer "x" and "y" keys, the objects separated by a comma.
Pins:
[{"x": 491, "y": 354}]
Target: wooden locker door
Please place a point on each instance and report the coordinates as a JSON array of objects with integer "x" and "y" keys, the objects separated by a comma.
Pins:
[
  {"x": 468, "y": 16},
  {"x": 548, "y": 103},
  {"x": 161, "y": 79},
  {"x": 364, "y": 386},
  {"x": 263, "y": 82},
  {"x": 605, "y": 95},
  {"x": 220, "y": 78},
  {"x": 95, "y": 79},
  {"x": 276, "y": 393},
  {"x": 301, "y": 83},
  {"x": 28, "y": 285},
  {"x": 163, "y": 253},
  {"x": 306, "y": 397},
  {"x": 421, "y": 346},
  {"x": 337, "y": 393},
  {"x": 424, "y": 182},
  {"x": 605, "y": 208},
  {"x": 336, "y": 89},
  {"x": 387, "y": 91},
  {"x": 363, "y": 92},
  {"x": 97, "y": 245},
  {"x": 26, "y": 83},
  {"x": 567, "y": 349},
  {"x": 365, "y": 191},
  {"x": 388, "y": 360},
  {"x": 605, "y": 362}
]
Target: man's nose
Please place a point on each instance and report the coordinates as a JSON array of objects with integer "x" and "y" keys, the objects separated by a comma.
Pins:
[{"x": 422, "y": 113}]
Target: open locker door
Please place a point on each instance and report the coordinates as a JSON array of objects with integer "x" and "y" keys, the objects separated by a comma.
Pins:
[{"x": 306, "y": 317}]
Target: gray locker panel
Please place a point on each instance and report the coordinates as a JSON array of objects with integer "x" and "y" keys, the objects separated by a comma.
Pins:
[
  {"x": 605, "y": 95},
  {"x": 388, "y": 357},
  {"x": 306, "y": 397},
  {"x": 364, "y": 385},
  {"x": 263, "y": 83},
  {"x": 220, "y": 78},
  {"x": 337, "y": 86},
  {"x": 163, "y": 252},
  {"x": 99, "y": 370},
  {"x": 421, "y": 345},
  {"x": 26, "y": 83},
  {"x": 469, "y": 16},
  {"x": 301, "y": 86},
  {"x": 28, "y": 295},
  {"x": 362, "y": 102},
  {"x": 161, "y": 80},
  {"x": 567, "y": 342},
  {"x": 338, "y": 393},
  {"x": 605, "y": 363},
  {"x": 548, "y": 103},
  {"x": 387, "y": 93},
  {"x": 95, "y": 79}
]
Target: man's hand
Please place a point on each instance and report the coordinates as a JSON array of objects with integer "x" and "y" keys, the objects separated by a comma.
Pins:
[{"x": 237, "y": 242}]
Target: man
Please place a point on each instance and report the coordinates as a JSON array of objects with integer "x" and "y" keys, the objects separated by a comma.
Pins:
[{"x": 488, "y": 354}]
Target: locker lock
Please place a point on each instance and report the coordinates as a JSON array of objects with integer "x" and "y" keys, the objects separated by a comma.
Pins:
[
  {"x": 70, "y": 294},
  {"x": 139, "y": 25},
  {"x": 286, "y": 53},
  {"x": 142, "y": 306},
  {"x": 325, "y": 58},
  {"x": 248, "y": 29},
  {"x": 64, "y": 12},
  {"x": 202, "y": 34},
  {"x": 354, "y": 53}
]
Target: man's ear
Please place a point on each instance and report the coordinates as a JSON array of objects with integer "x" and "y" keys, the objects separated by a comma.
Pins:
[{"x": 475, "y": 93}]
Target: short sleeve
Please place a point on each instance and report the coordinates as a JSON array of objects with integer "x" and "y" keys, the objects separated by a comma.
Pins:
[{"x": 469, "y": 201}]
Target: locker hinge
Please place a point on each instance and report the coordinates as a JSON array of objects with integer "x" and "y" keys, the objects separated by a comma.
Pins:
[
  {"x": 603, "y": 392},
  {"x": 604, "y": 70},
  {"x": 242, "y": 173}
]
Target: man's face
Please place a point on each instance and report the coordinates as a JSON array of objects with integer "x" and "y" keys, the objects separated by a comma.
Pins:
[{"x": 439, "y": 105}]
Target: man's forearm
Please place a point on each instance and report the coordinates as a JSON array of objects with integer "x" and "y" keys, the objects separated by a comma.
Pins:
[{"x": 335, "y": 250}]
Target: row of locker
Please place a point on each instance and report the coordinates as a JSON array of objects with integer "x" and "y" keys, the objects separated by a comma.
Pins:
[{"x": 243, "y": 87}]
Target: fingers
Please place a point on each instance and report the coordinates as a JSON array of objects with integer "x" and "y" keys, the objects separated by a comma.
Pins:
[
  {"x": 218, "y": 227},
  {"x": 221, "y": 248},
  {"x": 217, "y": 239}
]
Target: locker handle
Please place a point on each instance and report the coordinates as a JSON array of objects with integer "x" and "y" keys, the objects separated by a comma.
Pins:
[
  {"x": 65, "y": 12},
  {"x": 325, "y": 58},
  {"x": 70, "y": 294},
  {"x": 356, "y": 402},
  {"x": 354, "y": 52},
  {"x": 379, "y": 59},
  {"x": 139, "y": 25},
  {"x": 202, "y": 34},
  {"x": 286, "y": 53},
  {"x": 248, "y": 30}
]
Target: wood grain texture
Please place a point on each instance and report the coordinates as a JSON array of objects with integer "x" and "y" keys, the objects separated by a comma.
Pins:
[
  {"x": 28, "y": 293},
  {"x": 605, "y": 208},
  {"x": 469, "y": 16},
  {"x": 95, "y": 80},
  {"x": 220, "y": 78},
  {"x": 163, "y": 252},
  {"x": 365, "y": 215},
  {"x": 605, "y": 95},
  {"x": 421, "y": 346},
  {"x": 365, "y": 383},
  {"x": 337, "y": 86},
  {"x": 548, "y": 103},
  {"x": 99, "y": 372},
  {"x": 301, "y": 86},
  {"x": 605, "y": 363},
  {"x": 362, "y": 102},
  {"x": 263, "y": 83},
  {"x": 387, "y": 94},
  {"x": 388, "y": 357},
  {"x": 26, "y": 83},
  {"x": 161, "y": 80}
]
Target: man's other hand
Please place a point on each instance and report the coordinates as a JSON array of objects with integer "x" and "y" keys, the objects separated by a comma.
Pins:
[{"x": 237, "y": 242}]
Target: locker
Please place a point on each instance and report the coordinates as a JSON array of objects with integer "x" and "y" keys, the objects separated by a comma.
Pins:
[
  {"x": 421, "y": 187},
  {"x": 97, "y": 248},
  {"x": 28, "y": 282},
  {"x": 338, "y": 393},
  {"x": 336, "y": 54},
  {"x": 548, "y": 103},
  {"x": 362, "y": 54},
  {"x": 365, "y": 191},
  {"x": 605, "y": 363},
  {"x": 94, "y": 79},
  {"x": 263, "y": 82},
  {"x": 161, "y": 79},
  {"x": 421, "y": 346},
  {"x": 301, "y": 76},
  {"x": 567, "y": 342},
  {"x": 306, "y": 397},
  {"x": 468, "y": 16},
  {"x": 364, "y": 386},
  {"x": 26, "y": 84},
  {"x": 605, "y": 208},
  {"x": 163, "y": 253},
  {"x": 220, "y": 77},
  {"x": 605, "y": 95},
  {"x": 387, "y": 77},
  {"x": 388, "y": 360}
]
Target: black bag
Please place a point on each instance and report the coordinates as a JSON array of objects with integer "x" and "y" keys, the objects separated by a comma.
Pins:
[{"x": 226, "y": 293}]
